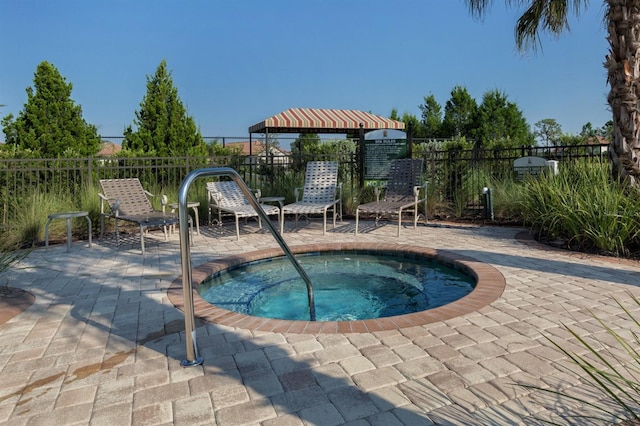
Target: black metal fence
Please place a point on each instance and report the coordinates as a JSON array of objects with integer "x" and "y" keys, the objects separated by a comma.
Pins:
[{"x": 454, "y": 176}]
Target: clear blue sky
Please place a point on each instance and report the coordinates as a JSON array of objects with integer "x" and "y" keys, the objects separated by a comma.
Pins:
[{"x": 236, "y": 63}]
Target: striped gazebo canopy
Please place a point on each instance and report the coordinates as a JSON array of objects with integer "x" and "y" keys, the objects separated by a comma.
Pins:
[{"x": 313, "y": 120}]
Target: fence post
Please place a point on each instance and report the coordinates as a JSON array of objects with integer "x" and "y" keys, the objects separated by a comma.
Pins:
[{"x": 89, "y": 171}]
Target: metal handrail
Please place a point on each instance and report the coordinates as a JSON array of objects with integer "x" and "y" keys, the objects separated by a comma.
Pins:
[{"x": 185, "y": 254}]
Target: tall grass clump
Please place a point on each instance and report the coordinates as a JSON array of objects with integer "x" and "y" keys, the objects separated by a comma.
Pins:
[
  {"x": 583, "y": 206},
  {"x": 508, "y": 199},
  {"x": 89, "y": 201},
  {"x": 284, "y": 186},
  {"x": 10, "y": 254},
  {"x": 28, "y": 228}
]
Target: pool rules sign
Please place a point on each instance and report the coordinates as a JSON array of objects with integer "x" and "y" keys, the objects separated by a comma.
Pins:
[{"x": 380, "y": 147}]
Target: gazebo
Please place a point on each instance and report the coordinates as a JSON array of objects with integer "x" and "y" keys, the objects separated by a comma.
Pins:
[{"x": 313, "y": 120}]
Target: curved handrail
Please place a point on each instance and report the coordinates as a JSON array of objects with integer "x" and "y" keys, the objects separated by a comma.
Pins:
[{"x": 185, "y": 254}]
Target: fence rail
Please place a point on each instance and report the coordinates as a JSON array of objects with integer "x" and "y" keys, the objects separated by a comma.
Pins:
[{"x": 455, "y": 176}]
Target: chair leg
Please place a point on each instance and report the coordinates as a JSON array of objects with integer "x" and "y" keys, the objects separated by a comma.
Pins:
[
  {"x": 334, "y": 213},
  {"x": 197, "y": 219},
  {"x": 399, "y": 221},
  {"x": 46, "y": 233},
  {"x": 89, "y": 224},
  {"x": 357, "y": 214},
  {"x": 281, "y": 217},
  {"x": 237, "y": 228},
  {"x": 142, "y": 238},
  {"x": 324, "y": 222}
]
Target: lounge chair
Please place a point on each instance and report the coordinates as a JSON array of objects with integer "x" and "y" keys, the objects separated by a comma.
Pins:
[
  {"x": 402, "y": 193},
  {"x": 227, "y": 197},
  {"x": 320, "y": 193},
  {"x": 125, "y": 199}
]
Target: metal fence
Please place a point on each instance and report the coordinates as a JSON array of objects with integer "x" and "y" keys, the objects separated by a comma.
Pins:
[
  {"x": 458, "y": 177},
  {"x": 455, "y": 176}
]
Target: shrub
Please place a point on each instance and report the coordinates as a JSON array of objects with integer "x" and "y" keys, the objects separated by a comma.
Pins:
[{"x": 583, "y": 206}]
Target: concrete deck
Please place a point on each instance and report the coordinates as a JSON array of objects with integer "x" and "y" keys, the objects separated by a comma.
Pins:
[{"x": 102, "y": 343}]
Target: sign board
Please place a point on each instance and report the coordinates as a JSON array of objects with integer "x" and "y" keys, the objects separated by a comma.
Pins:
[
  {"x": 380, "y": 147},
  {"x": 531, "y": 166}
]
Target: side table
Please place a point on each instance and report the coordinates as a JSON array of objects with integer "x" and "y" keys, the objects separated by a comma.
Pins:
[
  {"x": 190, "y": 205},
  {"x": 68, "y": 216},
  {"x": 280, "y": 201}
]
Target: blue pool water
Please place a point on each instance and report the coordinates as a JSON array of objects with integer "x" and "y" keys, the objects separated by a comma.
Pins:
[{"x": 347, "y": 286}]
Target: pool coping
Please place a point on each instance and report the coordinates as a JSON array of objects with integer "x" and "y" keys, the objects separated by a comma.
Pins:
[{"x": 490, "y": 284}]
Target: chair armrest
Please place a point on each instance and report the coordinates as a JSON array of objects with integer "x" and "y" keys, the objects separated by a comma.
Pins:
[
  {"x": 416, "y": 190},
  {"x": 377, "y": 191},
  {"x": 164, "y": 201},
  {"x": 113, "y": 204},
  {"x": 297, "y": 192},
  {"x": 215, "y": 197}
]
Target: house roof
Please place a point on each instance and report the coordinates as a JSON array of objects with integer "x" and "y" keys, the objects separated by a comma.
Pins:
[
  {"x": 108, "y": 148},
  {"x": 256, "y": 149},
  {"x": 312, "y": 120}
]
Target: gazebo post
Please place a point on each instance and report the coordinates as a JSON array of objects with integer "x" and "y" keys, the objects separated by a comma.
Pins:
[
  {"x": 361, "y": 156},
  {"x": 250, "y": 158}
]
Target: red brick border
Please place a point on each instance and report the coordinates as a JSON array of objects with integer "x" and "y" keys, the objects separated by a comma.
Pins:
[
  {"x": 489, "y": 287},
  {"x": 14, "y": 301}
]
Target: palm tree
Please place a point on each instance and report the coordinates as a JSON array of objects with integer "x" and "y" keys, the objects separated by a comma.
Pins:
[{"x": 622, "y": 64}]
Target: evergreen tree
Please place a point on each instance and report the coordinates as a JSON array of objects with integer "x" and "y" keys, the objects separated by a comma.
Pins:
[
  {"x": 606, "y": 131},
  {"x": 459, "y": 113},
  {"x": 500, "y": 122},
  {"x": 431, "y": 117},
  {"x": 163, "y": 127},
  {"x": 51, "y": 125},
  {"x": 411, "y": 122}
]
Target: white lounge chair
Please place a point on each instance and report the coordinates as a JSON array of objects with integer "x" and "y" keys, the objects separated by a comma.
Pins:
[
  {"x": 320, "y": 193},
  {"x": 227, "y": 197}
]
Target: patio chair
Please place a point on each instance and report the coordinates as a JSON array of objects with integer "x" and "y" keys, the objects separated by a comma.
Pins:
[
  {"x": 402, "y": 193},
  {"x": 321, "y": 193},
  {"x": 125, "y": 199},
  {"x": 227, "y": 197}
]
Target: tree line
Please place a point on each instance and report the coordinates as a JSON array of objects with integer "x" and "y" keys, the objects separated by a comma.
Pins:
[
  {"x": 51, "y": 124},
  {"x": 495, "y": 122}
]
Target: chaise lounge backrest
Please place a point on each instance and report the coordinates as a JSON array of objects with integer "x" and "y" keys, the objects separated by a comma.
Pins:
[
  {"x": 404, "y": 175},
  {"x": 320, "y": 182},
  {"x": 132, "y": 199}
]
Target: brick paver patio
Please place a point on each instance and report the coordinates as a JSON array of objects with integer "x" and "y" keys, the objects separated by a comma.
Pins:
[{"x": 102, "y": 343}]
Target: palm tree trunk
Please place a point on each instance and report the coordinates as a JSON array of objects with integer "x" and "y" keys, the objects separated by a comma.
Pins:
[{"x": 623, "y": 69}]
